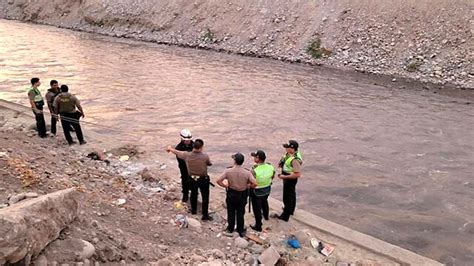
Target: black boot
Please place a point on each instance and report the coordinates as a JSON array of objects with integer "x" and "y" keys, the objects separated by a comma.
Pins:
[
  {"x": 185, "y": 198},
  {"x": 256, "y": 228}
]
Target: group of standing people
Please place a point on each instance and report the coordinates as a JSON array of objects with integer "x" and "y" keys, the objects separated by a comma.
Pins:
[
  {"x": 61, "y": 104},
  {"x": 240, "y": 183}
]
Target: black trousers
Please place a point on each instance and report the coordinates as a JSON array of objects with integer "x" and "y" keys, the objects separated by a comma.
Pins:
[
  {"x": 260, "y": 208},
  {"x": 185, "y": 186},
  {"x": 40, "y": 122},
  {"x": 202, "y": 184},
  {"x": 68, "y": 120},
  {"x": 236, "y": 201},
  {"x": 53, "y": 124},
  {"x": 289, "y": 197}
]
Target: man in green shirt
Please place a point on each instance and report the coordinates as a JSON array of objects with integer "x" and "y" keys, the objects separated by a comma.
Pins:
[
  {"x": 263, "y": 173},
  {"x": 290, "y": 164},
  {"x": 37, "y": 103}
]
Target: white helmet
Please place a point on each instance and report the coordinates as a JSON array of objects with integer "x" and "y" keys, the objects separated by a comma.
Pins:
[{"x": 185, "y": 134}]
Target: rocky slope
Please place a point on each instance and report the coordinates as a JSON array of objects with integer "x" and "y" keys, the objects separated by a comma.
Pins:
[
  {"x": 430, "y": 41},
  {"x": 130, "y": 213}
]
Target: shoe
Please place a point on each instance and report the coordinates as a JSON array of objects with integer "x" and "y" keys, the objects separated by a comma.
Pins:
[
  {"x": 193, "y": 212},
  {"x": 228, "y": 233},
  {"x": 207, "y": 218},
  {"x": 243, "y": 234},
  {"x": 283, "y": 218},
  {"x": 185, "y": 199},
  {"x": 256, "y": 228},
  {"x": 72, "y": 143},
  {"x": 82, "y": 142}
]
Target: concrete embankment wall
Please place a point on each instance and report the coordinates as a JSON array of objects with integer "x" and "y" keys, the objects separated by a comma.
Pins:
[{"x": 427, "y": 40}]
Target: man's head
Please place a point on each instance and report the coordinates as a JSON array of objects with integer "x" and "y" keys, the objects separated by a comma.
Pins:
[
  {"x": 186, "y": 136},
  {"x": 259, "y": 156},
  {"x": 238, "y": 158},
  {"x": 291, "y": 146},
  {"x": 35, "y": 82},
  {"x": 64, "y": 88},
  {"x": 198, "y": 145},
  {"x": 54, "y": 84}
]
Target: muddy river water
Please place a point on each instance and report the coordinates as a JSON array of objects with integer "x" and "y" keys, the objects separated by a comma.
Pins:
[{"x": 392, "y": 162}]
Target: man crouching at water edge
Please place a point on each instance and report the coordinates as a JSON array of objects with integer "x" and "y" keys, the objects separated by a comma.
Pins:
[
  {"x": 65, "y": 104},
  {"x": 239, "y": 180},
  {"x": 197, "y": 162},
  {"x": 37, "y": 103}
]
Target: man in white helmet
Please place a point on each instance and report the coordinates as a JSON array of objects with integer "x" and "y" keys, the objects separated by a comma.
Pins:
[
  {"x": 186, "y": 144},
  {"x": 197, "y": 162}
]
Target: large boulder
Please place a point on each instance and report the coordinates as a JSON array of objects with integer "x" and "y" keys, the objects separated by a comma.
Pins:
[
  {"x": 72, "y": 248},
  {"x": 28, "y": 226}
]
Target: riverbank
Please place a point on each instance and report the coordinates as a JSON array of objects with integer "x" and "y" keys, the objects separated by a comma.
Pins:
[
  {"x": 128, "y": 213},
  {"x": 428, "y": 41}
]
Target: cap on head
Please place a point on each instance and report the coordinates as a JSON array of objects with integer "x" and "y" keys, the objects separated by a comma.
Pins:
[
  {"x": 259, "y": 154},
  {"x": 185, "y": 134},
  {"x": 291, "y": 144},
  {"x": 238, "y": 158}
]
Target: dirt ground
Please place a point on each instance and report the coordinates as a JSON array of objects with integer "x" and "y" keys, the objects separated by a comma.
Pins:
[
  {"x": 430, "y": 41},
  {"x": 143, "y": 229}
]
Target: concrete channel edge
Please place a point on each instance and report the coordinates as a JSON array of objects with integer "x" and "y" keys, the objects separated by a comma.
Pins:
[{"x": 396, "y": 253}]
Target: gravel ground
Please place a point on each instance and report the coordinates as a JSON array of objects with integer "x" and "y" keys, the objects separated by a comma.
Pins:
[{"x": 128, "y": 214}]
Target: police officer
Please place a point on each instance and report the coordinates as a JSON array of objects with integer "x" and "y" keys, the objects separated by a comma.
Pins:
[
  {"x": 53, "y": 91},
  {"x": 264, "y": 173},
  {"x": 65, "y": 104},
  {"x": 238, "y": 181},
  {"x": 37, "y": 103},
  {"x": 186, "y": 144},
  {"x": 291, "y": 171},
  {"x": 197, "y": 162}
]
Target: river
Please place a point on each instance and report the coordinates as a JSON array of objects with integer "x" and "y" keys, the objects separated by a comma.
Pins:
[{"x": 386, "y": 158}]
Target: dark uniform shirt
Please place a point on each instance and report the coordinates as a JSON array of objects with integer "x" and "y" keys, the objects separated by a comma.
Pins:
[
  {"x": 183, "y": 169},
  {"x": 50, "y": 95},
  {"x": 238, "y": 178},
  {"x": 196, "y": 162},
  {"x": 65, "y": 102}
]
